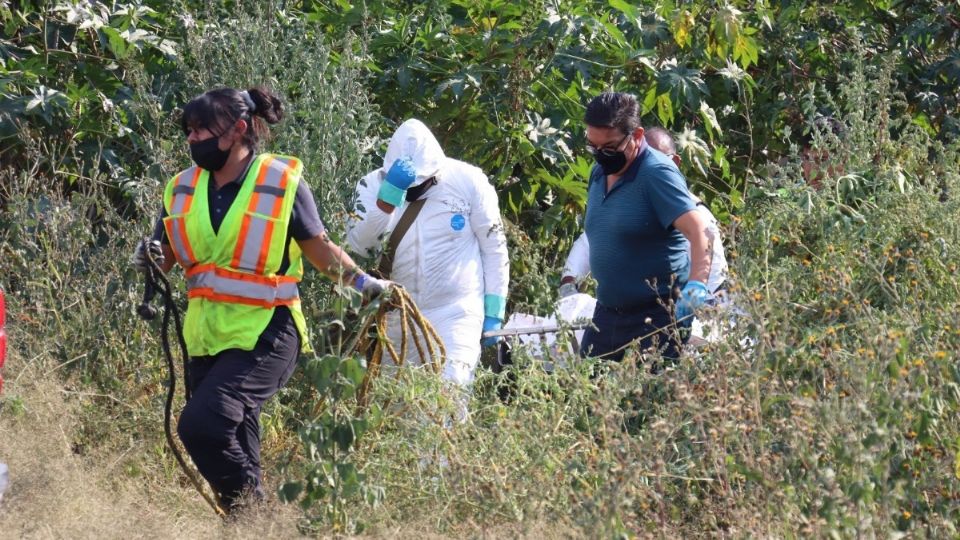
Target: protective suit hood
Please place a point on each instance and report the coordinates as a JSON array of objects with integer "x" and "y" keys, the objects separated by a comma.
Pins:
[{"x": 415, "y": 140}]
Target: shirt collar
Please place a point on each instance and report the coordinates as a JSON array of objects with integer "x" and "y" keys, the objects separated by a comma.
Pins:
[
  {"x": 238, "y": 181},
  {"x": 631, "y": 172}
]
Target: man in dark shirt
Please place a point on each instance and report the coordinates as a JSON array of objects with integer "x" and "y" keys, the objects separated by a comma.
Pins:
[{"x": 640, "y": 217}]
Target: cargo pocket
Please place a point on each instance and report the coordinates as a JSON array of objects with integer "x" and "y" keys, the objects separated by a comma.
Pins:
[{"x": 228, "y": 407}]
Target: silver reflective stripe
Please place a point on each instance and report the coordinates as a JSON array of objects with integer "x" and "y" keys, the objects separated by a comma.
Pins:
[
  {"x": 179, "y": 204},
  {"x": 271, "y": 190},
  {"x": 278, "y": 166},
  {"x": 261, "y": 292},
  {"x": 270, "y": 193},
  {"x": 256, "y": 236},
  {"x": 265, "y": 204},
  {"x": 182, "y": 191}
]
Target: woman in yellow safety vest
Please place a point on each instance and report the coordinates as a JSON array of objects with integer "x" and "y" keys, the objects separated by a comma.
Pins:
[{"x": 239, "y": 222}]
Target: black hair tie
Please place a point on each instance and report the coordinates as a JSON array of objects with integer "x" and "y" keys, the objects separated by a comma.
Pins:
[{"x": 251, "y": 106}]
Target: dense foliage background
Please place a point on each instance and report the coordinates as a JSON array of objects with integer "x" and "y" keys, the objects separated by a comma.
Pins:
[{"x": 831, "y": 409}]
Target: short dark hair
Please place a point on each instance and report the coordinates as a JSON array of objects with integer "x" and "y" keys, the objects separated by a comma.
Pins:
[
  {"x": 661, "y": 139},
  {"x": 218, "y": 109},
  {"x": 614, "y": 110}
]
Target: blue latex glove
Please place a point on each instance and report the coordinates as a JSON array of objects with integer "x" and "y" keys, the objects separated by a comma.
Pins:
[
  {"x": 568, "y": 289},
  {"x": 370, "y": 286},
  {"x": 401, "y": 174},
  {"x": 491, "y": 323},
  {"x": 693, "y": 296}
]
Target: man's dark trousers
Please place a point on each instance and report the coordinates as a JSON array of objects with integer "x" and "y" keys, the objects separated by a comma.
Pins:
[{"x": 617, "y": 327}]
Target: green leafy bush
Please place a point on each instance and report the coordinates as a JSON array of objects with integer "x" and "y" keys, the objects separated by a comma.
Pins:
[
  {"x": 829, "y": 410},
  {"x": 83, "y": 89}
]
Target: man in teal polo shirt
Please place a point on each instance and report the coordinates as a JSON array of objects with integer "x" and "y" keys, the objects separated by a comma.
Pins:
[{"x": 640, "y": 217}]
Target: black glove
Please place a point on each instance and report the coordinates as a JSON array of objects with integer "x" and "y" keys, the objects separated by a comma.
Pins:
[{"x": 139, "y": 258}]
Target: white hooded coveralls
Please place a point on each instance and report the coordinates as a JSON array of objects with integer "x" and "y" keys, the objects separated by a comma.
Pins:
[{"x": 453, "y": 254}]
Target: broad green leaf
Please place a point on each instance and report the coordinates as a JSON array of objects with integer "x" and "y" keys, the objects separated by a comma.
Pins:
[
  {"x": 290, "y": 491},
  {"x": 694, "y": 150},
  {"x": 746, "y": 51},
  {"x": 45, "y": 98},
  {"x": 923, "y": 121},
  {"x": 665, "y": 109},
  {"x": 343, "y": 435},
  {"x": 685, "y": 85},
  {"x": 649, "y": 100},
  {"x": 115, "y": 42},
  {"x": 720, "y": 159},
  {"x": 615, "y": 33},
  {"x": 726, "y": 23},
  {"x": 683, "y": 25},
  {"x": 630, "y": 11},
  {"x": 136, "y": 35},
  {"x": 351, "y": 369},
  {"x": 724, "y": 30}
]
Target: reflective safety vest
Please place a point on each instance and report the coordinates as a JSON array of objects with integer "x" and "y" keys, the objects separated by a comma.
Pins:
[{"x": 232, "y": 275}]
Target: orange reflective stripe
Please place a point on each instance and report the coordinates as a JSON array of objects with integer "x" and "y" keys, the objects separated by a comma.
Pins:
[
  {"x": 225, "y": 285},
  {"x": 193, "y": 184},
  {"x": 264, "y": 248},
  {"x": 274, "y": 213},
  {"x": 184, "y": 188},
  {"x": 241, "y": 240},
  {"x": 209, "y": 294},
  {"x": 278, "y": 201},
  {"x": 179, "y": 243},
  {"x": 183, "y": 191},
  {"x": 181, "y": 225},
  {"x": 254, "y": 242}
]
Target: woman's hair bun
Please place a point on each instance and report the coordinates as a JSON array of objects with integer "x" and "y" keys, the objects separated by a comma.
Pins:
[{"x": 265, "y": 104}]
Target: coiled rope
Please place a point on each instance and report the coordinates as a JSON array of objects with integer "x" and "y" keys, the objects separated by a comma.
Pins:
[
  {"x": 412, "y": 322},
  {"x": 425, "y": 339},
  {"x": 155, "y": 281}
]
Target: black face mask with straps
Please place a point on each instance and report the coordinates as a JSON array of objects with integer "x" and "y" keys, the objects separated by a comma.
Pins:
[
  {"x": 416, "y": 192},
  {"x": 611, "y": 163},
  {"x": 208, "y": 155}
]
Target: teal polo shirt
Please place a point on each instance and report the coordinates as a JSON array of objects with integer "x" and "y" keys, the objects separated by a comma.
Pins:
[{"x": 636, "y": 255}]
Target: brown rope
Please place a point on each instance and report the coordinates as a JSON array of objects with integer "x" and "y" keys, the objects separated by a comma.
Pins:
[{"x": 412, "y": 322}]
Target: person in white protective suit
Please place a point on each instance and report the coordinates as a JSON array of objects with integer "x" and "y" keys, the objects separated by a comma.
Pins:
[{"x": 453, "y": 259}]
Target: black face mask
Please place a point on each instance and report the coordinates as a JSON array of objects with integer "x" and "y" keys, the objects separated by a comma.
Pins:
[
  {"x": 208, "y": 155},
  {"x": 611, "y": 164}
]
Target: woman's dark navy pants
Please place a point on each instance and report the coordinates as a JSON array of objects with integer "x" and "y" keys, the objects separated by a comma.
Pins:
[{"x": 220, "y": 425}]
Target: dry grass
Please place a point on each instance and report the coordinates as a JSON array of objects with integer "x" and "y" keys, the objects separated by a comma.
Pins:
[{"x": 57, "y": 493}]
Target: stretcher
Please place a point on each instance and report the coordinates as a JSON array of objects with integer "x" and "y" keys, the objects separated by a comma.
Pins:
[{"x": 539, "y": 335}]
